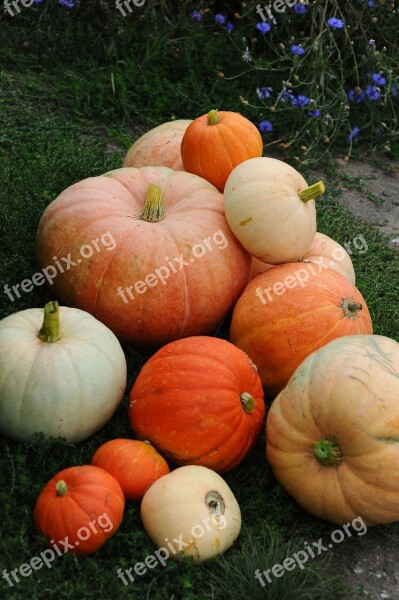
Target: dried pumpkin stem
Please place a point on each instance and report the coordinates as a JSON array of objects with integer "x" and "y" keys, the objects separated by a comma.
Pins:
[
  {"x": 312, "y": 192},
  {"x": 154, "y": 209},
  {"x": 247, "y": 402},
  {"x": 61, "y": 488},
  {"x": 51, "y": 328},
  {"x": 350, "y": 308},
  {"x": 328, "y": 453},
  {"x": 213, "y": 117}
]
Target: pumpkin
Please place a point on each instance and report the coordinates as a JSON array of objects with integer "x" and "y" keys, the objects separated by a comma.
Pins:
[
  {"x": 62, "y": 373},
  {"x": 274, "y": 219},
  {"x": 163, "y": 244},
  {"x": 323, "y": 251},
  {"x": 136, "y": 465},
  {"x": 290, "y": 311},
  {"x": 79, "y": 509},
  {"x": 199, "y": 401},
  {"x": 332, "y": 433},
  {"x": 159, "y": 147},
  {"x": 191, "y": 513},
  {"x": 215, "y": 143}
]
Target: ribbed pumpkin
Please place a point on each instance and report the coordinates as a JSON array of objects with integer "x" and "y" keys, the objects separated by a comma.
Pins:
[
  {"x": 199, "y": 401},
  {"x": 324, "y": 251},
  {"x": 81, "y": 504},
  {"x": 136, "y": 465},
  {"x": 217, "y": 142},
  {"x": 333, "y": 432},
  {"x": 290, "y": 311},
  {"x": 159, "y": 147},
  {"x": 161, "y": 277}
]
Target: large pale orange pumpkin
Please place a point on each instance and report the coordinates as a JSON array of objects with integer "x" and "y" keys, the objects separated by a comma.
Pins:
[
  {"x": 150, "y": 249},
  {"x": 333, "y": 432},
  {"x": 199, "y": 401},
  {"x": 159, "y": 147},
  {"x": 291, "y": 310},
  {"x": 217, "y": 142},
  {"x": 323, "y": 251}
]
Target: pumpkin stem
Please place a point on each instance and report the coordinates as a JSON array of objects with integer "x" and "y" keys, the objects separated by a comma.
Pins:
[
  {"x": 51, "y": 328},
  {"x": 327, "y": 453},
  {"x": 247, "y": 402},
  {"x": 61, "y": 488},
  {"x": 153, "y": 210},
  {"x": 213, "y": 117},
  {"x": 312, "y": 192},
  {"x": 215, "y": 503},
  {"x": 350, "y": 308}
]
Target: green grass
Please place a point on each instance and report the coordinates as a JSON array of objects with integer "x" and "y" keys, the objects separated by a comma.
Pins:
[{"x": 50, "y": 138}]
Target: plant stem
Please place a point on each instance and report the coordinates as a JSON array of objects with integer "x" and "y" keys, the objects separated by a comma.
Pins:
[
  {"x": 61, "y": 488},
  {"x": 312, "y": 192},
  {"x": 154, "y": 209},
  {"x": 247, "y": 402},
  {"x": 51, "y": 328},
  {"x": 213, "y": 117},
  {"x": 328, "y": 453}
]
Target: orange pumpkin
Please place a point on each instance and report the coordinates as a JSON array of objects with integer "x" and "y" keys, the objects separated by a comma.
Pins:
[
  {"x": 217, "y": 142},
  {"x": 136, "y": 465},
  {"x": 159, "y": 147},
  {"x": 324, "y": 251},
  {"x": 291, "y": 310},
  {"x": 150, "y": 248},
  {"x": 332, "y": 433},
  {"x": 83, "y": 505},
  {"x": 200, "y": 402}
]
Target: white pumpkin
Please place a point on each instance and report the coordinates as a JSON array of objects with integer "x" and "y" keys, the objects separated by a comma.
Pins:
[
  {"x": 271, "y": 210},
  {"x": 323, "y": 251},
  {"x": 191, "y": 512},
  {"x": 66, "y": 383}
]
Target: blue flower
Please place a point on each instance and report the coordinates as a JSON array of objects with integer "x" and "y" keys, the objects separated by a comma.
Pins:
[
  {"x": 67, "y": 3},
  {"x": 285, "y": 95},
  {"x": 219, "y": 18},
  {"x": 264, "y": 92},
  {"x": 395, "y": 91},
  {"x": 336, "y": 23},
  {"x": 379, "y": 79},
  {"x": 196, "y": 16},
  {"x": 300, "y": 9},
  {"x": 265, "y": 126},
  {"x": 353, "y": 134},
  {"x": 246, "y": 55},
  {"x": 371, "y": 4},
  {"x": 357, "y": 95},
  {"x": 263, "y": 27},
  {"x": 297, "y": 50},
  {"x": 300, "y": 101},
  {"x": 373, "y": 93},
  {"x": 314, "y": 113},
  {"x": 229, "y": 27}
]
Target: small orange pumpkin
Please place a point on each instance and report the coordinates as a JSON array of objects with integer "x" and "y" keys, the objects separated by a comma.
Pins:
[
  {"x": 200, "y": 402},
  {"x": 81, "y": 505},
  {"x": 215, "y": 143},
  {"x": 136, "y": 465}
]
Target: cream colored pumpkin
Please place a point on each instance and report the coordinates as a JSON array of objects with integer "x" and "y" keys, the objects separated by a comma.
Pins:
[
  {"x": 333, "y": 432},
  {"x": 159, "y": 147},
  {"x": 194, "y": 505},
  {"x": 66, "y": 383},
  {"x": 272, "y": 214},
  {"x": 323, "y": 251}
]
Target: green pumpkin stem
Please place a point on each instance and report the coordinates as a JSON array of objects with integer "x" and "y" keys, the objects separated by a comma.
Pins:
[
  {"x": 213, "y": 117},
  {"x": 328, "y": 453},
  {"x": 51, "y": 328},
  {"x": 247, "y": 402},
  {"x": 154, "y": 209},
  {"x": 61, "y": 488},
  {"x": 312, "y": 192}
]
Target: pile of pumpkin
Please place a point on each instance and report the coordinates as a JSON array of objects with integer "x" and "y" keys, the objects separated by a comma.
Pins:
[{"x": 332, "y": 428}]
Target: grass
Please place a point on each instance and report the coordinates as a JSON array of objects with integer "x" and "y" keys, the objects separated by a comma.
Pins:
[{"x": 50, "y": 137}]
